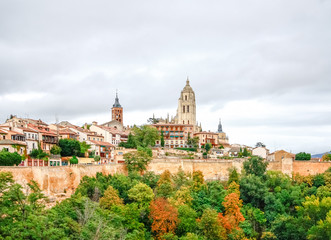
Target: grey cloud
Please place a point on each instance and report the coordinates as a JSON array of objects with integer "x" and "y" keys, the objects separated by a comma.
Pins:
[{"x": 80, "y": 52}]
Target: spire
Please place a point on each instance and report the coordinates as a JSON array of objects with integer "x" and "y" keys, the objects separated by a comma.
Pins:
[
  {"x": 117, "y": 101},
  {"x": 220, "y": 127},
  {"x": 187, "y": 82}
]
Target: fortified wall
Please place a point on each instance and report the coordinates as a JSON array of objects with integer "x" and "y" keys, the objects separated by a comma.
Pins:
[{"x": 65, "y": 179}]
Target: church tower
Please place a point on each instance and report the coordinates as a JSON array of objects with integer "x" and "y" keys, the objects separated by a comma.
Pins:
[
  {"x": 117, "y": 110},
  {"x": 186, "y": 111}
]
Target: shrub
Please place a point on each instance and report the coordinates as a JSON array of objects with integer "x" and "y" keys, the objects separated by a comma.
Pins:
[
  {"x": 74, "y": 160},
  {"x": 9, "y": 159}
]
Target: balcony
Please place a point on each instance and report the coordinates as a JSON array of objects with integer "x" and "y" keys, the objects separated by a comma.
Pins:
[{"x": 50, "y": 139}]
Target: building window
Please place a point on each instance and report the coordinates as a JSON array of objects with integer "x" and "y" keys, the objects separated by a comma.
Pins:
[
  {"x": 183, "y": 109},
  {"x": 185, "y": 97},
  {"x": 188, "y": 108}
]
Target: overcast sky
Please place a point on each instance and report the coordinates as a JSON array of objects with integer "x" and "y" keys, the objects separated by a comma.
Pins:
[{"x": 264, "y": 67}]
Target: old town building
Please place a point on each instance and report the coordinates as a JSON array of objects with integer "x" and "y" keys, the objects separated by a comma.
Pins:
[{"x": 175, "y": 135}]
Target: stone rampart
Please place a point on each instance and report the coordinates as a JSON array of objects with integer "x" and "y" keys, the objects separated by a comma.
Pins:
[
  {"x": 54, "y": 180},
  {"x": 306, "y": 168}
]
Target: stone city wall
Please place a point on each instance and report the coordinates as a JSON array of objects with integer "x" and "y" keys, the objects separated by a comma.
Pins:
[
  {"x": 306, "y": 168},
  {"x": 55, "y": 180}
]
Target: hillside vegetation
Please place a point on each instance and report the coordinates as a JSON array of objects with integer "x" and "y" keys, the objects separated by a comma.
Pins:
[{"x": 254, "y": 204}]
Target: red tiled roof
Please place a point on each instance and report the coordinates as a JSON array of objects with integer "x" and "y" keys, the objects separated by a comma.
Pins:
[
  {"x": 67, "y": 131},
  {"x": 2, "y": 132},
  {"x": 15, "y": 133},
  {"x": 28, "y": 129},
  {"x": 42, "y": 130},
  {"x": 100, "y": 143}
]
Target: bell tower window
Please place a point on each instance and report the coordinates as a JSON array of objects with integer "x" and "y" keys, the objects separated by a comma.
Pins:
[
  {"x": 185, "y": 97},
  {"x": 183, "y": 109},
  {"x": 188, "y": 108}
]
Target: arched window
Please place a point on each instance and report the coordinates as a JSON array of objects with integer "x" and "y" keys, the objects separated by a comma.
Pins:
[
  {"x": 183, "y": 109},
  {"x": 188, "y": 108},
  {"x": 185, "y": 97},
  {"x": 188, "y": 121}
]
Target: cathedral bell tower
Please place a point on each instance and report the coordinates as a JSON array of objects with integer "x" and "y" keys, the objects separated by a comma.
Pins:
[
  {"x": 186, "y": 111},
  {"x": 117, "y": 110}
]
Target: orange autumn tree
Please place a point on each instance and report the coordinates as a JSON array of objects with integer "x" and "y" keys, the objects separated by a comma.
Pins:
[
  {"x": 232, "y": 217},
  {"x": 164, "y": 217}
]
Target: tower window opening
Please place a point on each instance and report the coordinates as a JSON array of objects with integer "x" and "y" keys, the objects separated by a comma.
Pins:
[
  {"x": 188, "y": 108},
  {"x": 183, "y": 109},
  {"x": 185, "y": 97}
]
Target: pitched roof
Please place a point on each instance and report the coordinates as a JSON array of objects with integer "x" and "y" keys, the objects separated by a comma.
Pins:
[
  {"x": 2, "y": 132},
  {"x": 100, "y": 143},
  {"x": 28, "y": 129}
]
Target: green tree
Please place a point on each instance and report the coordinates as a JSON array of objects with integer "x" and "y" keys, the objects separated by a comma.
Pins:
[
  {"x": 70, "y": 147},
  {"x": 253, "y": 190},
  {"x": 165, "y": 187},
  {"x": 9, "y": 159},
  {"x": 208, "y": 146},
  {"x": 141, "y": 194},
  {"x": 303, "y": 156},
  {"x": 137, "y": 161},
  {"x": 56, "y": 150},
  {"x": 192, "y": 142},
  {"x": 145, "y": 136},
  {"x": 84, "y": 147},
  {"x": 130, "y": 143},
  {"x": 322, "y": 230},
  {"x": 110, "y": 198},
  {"x": 162, "y": 139},
  {"x": 190, "y": 236},
  {"x": 245, "y": 153},
  {"x": 181, "y": 179},
  {"x": 198, "y": 180},
  {"x": 233, "y": 176},
  {"x": 151, "y": 179},
  {"x": 211, "y": 226},
  {"x": 326, "y": 157},
  {"x": 255, "y": 221},
  {"x": 255, "y": 165},
  {"x": 97, "y": 158},
  {"x": 38, "y": 154},
  {"x": 187, "y": 220}
]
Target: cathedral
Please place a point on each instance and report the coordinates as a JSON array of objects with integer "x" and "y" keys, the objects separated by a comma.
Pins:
[{"x": 177, "y": 129}]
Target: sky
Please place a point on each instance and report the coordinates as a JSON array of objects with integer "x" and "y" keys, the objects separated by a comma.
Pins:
[{"x": 263, "y": 67}]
